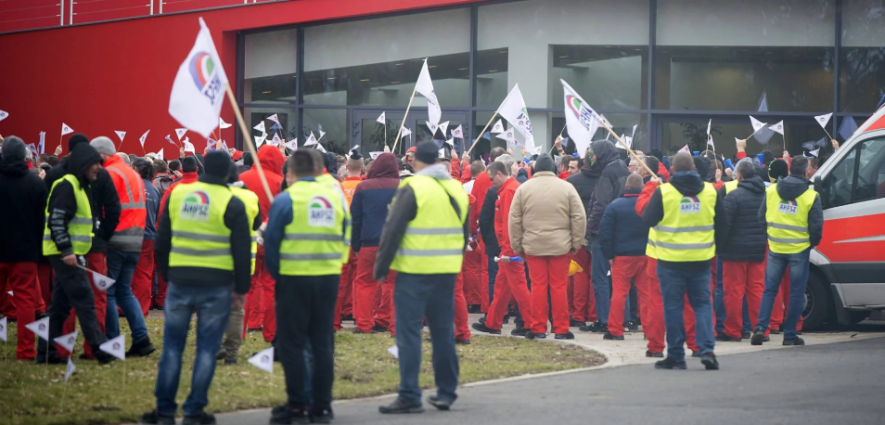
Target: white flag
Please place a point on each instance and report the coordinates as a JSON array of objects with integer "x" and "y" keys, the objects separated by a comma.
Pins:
[
  {"x": 814, "y": 152},
  {"x": 582, "y": 121},
  {"x": 382, "y": 119},
  {"x": 406, "y": 132},
  {"x": 757, "y": 125},
  {"x": 3, "y": 324},
  {"x": 224, "y": 147},
  {"x": 442, "y": 152},
  {"x": 451, "y": 142},
  {"x": 275, "y": 141},
  {"x": 40, "y": 328},
  {"x": 160, "y": 154},
  {"x": 260, "y": 140},
  {"x": 115, "y": 347},
  {"x": 374, "y": 155},
  {"x": 778, "y": 128},
  {"x": 33, "y": 148},
  {"x": 628, "y": 140},
  {"x": 274, "y": 118},
  {"x": 188, "y": 146},
  {"x": 425, "y": 87},
  {"x": 458, "y": 132},
  {"x": 497, "y": 128},
  {"x": 321, "y": 148},
  {"x": 443, "y": 127},
  {"x": 180, "y": 132},
  {"x": 70, "y": 369},
  {"x": 513, "y": 110},
  {"x": 169, "y": 139},
  {"x": 312, "y": 140},
  {"x": 3, "y": 116},
  {"x": 433, "y": 127},
  {"x": 394, "y": 351},
  {"x": 211, "y": 143},
  {"x": 260, "y": 127},
  {"x": 292, "y": 145},
  {"x": 65, "y": 129},
  {"x": 101, "y": 281},
  {"x": 634, "y": 130},
  {"x": 322, "y": 133},
  {"x": 67, "y": 341},
  {"x": 42, "y": 145},
  {"x": 222, "y": 124},
  {"x": 120, "y": 134},
  {"x": 709, "y": 124},
  {"x": 263, "y": 360},
  {"x": 199, "y": 87},
  {"x": 710, "y": 142},
  {"x": 685, "y": 150},
  {"x": 143, "y": 138},
  {"x": 354, "y": 148},
  {"x": 508, "y": 136},
  {"x": 824, "y": 119}
]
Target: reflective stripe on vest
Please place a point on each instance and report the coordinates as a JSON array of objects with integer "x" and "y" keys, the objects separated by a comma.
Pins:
[
  {"x": 686, "y": 233},
  {"x": 199, "y": 236},
  {"x": 313, "y": 243},
  {"x": 129, "y": 234},
  {"x": 788, "y": 221},
  {"x": 434, "y": 239},
  {"x": 250, "y": 200},
  {"x": 651, "y": 246},
  {"x": 80, "y": 228}
]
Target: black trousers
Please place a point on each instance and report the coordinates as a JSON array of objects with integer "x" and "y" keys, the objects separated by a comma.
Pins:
[
  {"x": 305, "y": 308},
  {"x": 71, "y": 289}
]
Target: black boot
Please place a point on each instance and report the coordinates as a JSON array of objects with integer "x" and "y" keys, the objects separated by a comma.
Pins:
[
  {"x": 669, "y": 363},
  {"x": 483, "y": 328},
  {"x": 141, "y": 348}
]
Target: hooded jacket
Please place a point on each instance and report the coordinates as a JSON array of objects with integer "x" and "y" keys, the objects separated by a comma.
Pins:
[
  {"x": 546, "y": 217},
  {"x": 791, "y": 188},
  {"x": 746, "y": 238},
  {"x": 186, "y": 178},
  {"x": 272, "y": 164},
  {"x": 403, "y": 211},
  {"x": 688, "y": 183},
  {"x": 23, "y": 195},
  {"x": 611, "y": 183},
  {"x": 585, "y": 183},
  {"x": 62, "y": 205},
  {"x": 371, "y": 199},
  {"x": 162, "y": 183}
]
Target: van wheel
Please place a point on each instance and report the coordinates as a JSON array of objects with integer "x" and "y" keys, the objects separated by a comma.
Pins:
[{"x": 817, "y": 303}]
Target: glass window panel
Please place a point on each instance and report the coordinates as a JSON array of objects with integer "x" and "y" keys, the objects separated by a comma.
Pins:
[
  {"x": 286, "y": 130},
  {"x": 270, "y": 65},
  {"x": 751, "y": 55},
  {"x": 871, "y": 175},
  {"x": 531, "y": 52},
  {"x": 373, "y": 134},
  {"x": 377, "y": 61},
  {"x": 862, "y": 56},
  {"x": 334, "y": 122},
  {"x": 840, "y": 182}
]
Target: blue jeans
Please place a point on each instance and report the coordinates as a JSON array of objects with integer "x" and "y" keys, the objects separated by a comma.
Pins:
[
  {"x": 121, "y": 265},
  {"x": 416, "y": 297},
  {"x": 601, "y": 282},
  {"x": 675, "y": 284},
  {"x": 212, "y": 305},
  {"x": 493, "y": 273},
  {"x": 774, "y": 272},
  {"x": 719, "y": 300}
]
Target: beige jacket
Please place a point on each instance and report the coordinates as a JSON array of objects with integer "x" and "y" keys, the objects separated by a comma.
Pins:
[{"x": 547, "y": 217}]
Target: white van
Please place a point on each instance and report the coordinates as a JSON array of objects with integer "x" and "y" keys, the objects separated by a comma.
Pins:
[{"x": 847, "y": 278}]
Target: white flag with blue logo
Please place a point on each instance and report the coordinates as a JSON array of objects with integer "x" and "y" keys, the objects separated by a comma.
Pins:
[
  {"x": 4, "y": 323},
  {"x": 40, "y": 328},
  {"x": 425, "y": 87},
  {"x": 42, "y": 145},
  {"x": 69, "y": 370},
  {"x": 263, "y": 360},
  {"x": 513, "y": 110},
  {"x": 67, "y": 341},
  {"x": 115, "y": 347},
  {"x": 199, "y": 88}
]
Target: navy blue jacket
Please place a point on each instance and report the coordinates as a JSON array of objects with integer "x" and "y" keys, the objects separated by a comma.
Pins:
[
  {"x": 621, "y": 232},
  {"x": 372, "y": 197}
]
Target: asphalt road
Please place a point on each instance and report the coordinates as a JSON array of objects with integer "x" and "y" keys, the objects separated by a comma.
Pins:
[{"x": 826, "y": 384}]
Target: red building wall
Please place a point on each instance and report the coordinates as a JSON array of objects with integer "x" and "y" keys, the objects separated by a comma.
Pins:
[{"x": 118, "y": 75}]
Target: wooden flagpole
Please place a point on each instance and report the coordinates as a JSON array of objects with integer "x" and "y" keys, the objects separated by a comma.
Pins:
[
  {"x": 248, "y": 136},
  {"x": 482, "y": 132},
  {"x": 403, "y": 124},
  {"x": 630, "y": 151}
]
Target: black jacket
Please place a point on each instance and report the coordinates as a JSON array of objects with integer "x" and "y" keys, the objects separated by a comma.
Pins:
[
  {"x": 791, "y": 188},
  {"x": 403, "y": 211},
  {"x": 585, "y": 182},
  {"x": 487, "y": 223},
  {"x": 23, "y": 196},
  {"x": 688, "y": 183},
  {"x": 237, "y": 221},
  {"x": 610, "y": 186},
  {"x": 746, "y": 238},
  {"x": 104, "y": 200},
  {"x": 62, "y": 205}
]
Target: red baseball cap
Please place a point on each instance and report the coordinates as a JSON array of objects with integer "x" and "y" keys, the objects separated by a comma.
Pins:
[
  {"x": 411, "y": 150},
  {"x": 237, "y": 155}
]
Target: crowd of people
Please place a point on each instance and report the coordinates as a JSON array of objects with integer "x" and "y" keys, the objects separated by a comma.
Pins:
[{"x": 692, "y": 251}]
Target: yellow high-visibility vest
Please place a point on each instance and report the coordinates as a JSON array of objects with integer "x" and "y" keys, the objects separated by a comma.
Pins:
[
  {"x": 80, "y": 228},
  {"x": 686, "y": 233},
  {"x": 199, "y": 236},
  {"x": 788, "y": 221},
  {"x": 317, "y": 240},
  {"x": 250, "y": 199}
]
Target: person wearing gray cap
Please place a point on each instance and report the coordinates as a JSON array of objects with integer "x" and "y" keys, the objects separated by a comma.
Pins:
[{"x": 424, "y": 240}]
